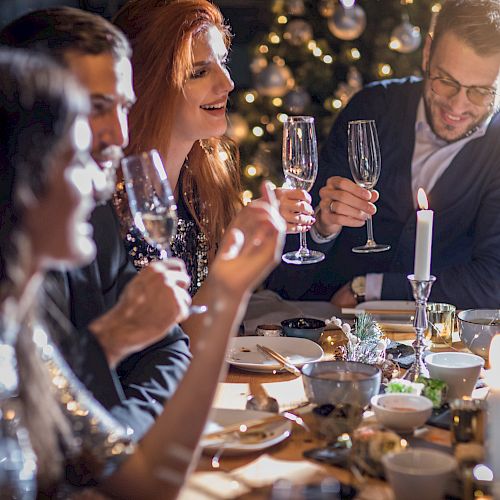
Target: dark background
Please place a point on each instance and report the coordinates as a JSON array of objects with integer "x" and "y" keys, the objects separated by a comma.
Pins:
[{"x": 246, "y": 17}]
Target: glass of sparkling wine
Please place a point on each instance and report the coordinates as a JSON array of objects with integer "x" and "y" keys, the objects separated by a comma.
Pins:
[
  {"x": 300, "y": 166},
  {"x": 365, "y": 163},
  {"x": 152, "y": 203}
]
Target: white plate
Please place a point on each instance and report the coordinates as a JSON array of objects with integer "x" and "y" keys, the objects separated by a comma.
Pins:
[
  {"x": 274, "y": 432},
  {"x": 243, "y": 352}
]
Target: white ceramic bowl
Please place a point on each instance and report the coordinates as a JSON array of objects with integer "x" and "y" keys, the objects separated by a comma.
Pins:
[
  {"x": 473, "y": 331},
  {"x": 401, "y": 412},
  {"x": 460, "y": 370},
  {"x": 419, "y": 473}
]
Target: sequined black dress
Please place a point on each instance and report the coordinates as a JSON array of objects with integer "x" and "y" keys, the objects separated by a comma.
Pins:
[
  {"x": 189, "y": 244},
  {"x": 100, "y": 443}
]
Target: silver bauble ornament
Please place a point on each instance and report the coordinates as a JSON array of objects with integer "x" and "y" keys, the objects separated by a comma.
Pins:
[
  {"x": 347, "y": 23},
  {"x": 326, "y": 7},
  {"x": 405, "y": 38},
  {"x": 237, "y": 127},
  {"x": 295, "y": 7},
  {"x": 296, "y": 101},
  {"x": 298, "y": 32},
  {"x": 274, "y": 80}
]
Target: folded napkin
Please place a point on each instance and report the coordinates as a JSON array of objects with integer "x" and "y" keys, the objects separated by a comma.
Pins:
[
  {"x": 262, "y": 472},
  {"x": 265, "y": 470},
  {"x": 267, "y": 307},
  {"x": 210, "y": 485}
]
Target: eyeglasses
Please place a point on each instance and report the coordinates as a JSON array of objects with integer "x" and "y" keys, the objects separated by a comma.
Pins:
[{"x": 446, "y": 87}]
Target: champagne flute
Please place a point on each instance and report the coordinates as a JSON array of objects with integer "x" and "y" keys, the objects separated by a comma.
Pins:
[
  {"x": 152, "y": 203},
  {"x": 300, "y": 166},
  {"x": 365, "y": 164}
]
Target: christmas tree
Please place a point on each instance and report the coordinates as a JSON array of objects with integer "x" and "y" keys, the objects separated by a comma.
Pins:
[{"x": 315, "y": 57}]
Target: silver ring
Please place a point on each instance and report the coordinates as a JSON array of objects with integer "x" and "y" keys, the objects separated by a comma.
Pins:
[{"x": 332, "y": 211}]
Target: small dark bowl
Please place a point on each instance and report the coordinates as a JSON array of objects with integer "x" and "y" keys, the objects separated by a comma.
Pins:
[{"x": 306, "y": 328}]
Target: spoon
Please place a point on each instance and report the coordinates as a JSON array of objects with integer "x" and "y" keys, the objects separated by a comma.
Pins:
[{"x": 259, "y": 400}]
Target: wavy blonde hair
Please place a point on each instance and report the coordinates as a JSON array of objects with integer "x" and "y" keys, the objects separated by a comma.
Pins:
[{"x": 161, "y": 33}]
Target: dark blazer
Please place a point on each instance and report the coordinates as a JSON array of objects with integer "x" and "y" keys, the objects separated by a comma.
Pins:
[
  {"x": 465, "y": 200},
  {"x": 136, "y": 391}
]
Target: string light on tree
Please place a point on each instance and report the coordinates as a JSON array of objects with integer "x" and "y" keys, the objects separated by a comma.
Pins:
[
  {"x": 250, "y": 97},
  {"x": 385, "y": 70}
]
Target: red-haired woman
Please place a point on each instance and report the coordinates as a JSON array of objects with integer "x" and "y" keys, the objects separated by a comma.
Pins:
[{"x": 180, "y": 51}]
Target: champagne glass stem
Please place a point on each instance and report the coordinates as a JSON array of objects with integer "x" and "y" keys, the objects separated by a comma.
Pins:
[
  {"x": 369, "y": 230},
  {"x": 303, "y": 250}
]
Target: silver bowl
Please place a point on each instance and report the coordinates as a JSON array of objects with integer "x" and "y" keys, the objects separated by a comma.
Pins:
[
  {"x": 335, "y": 382},
  {"x": 477, "y": 327}
]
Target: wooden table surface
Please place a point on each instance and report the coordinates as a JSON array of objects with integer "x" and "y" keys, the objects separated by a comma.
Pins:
[{"x": 288, "y": 390}]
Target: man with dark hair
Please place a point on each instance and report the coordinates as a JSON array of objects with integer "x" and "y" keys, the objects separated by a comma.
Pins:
[
  {"x": 113, "y": 308},
  {"x": 440, "y": 133}
]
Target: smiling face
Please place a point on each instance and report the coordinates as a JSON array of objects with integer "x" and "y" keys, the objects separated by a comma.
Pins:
[
  {"x": 57, "y": 221},
  {"x": 109, "y": 84},
  {"x": 452, "y": 118},
  {"x": 201, "y": 110}
]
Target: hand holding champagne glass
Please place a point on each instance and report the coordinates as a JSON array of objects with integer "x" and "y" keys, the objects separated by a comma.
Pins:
[
  {"x": 365, "y": 164},
  {"x": 300, "y": 166},
  {"x": 152, "y": 203}
]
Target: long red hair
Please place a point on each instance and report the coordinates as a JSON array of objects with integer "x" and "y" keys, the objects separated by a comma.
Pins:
[{"x": 161, "y": 33}]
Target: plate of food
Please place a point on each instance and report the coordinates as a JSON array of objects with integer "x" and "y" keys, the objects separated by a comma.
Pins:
[
  {"x": 238, "y": 443},
  {"x": 244, "y": 354}
]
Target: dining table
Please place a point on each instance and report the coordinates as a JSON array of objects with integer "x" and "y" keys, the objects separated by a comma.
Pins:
[{"x": 264, "y": 473}]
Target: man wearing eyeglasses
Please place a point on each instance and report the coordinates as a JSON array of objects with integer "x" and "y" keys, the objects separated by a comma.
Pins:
[{"x": 441, "y": 133}]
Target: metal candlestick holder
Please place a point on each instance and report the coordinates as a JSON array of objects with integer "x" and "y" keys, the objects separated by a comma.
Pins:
[{"x": 421, "y": 292}]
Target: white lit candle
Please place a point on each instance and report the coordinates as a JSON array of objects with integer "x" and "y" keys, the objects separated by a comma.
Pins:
[
  {"x": 493, "y": 415},
  {"x": 423, "y": 243}
]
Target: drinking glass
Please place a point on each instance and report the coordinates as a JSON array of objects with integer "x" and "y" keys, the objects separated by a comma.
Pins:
[
  {"x": 300, "y": 166},
  {"x": 152, "y": 203},
  {"x": 365, "y": 164}
]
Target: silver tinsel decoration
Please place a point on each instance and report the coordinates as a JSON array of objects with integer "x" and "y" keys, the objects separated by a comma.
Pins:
[
  {"x": 298, "y": 32},
  {"x": 347, "y": 23}
]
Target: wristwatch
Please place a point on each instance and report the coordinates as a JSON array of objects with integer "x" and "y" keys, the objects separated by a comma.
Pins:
[{"x": 358, "y": 287}]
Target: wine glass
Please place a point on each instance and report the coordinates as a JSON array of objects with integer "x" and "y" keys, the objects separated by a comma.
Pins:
[
  {"x": 365, "y": 164},
  {"x": 300, "y": 166},
  {"x": 152, "y": 203}
]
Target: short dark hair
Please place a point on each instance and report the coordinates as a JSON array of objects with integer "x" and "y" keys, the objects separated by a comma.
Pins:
[
  {"x": 58, "y": 30},
  {"x": 476, "y": 22}
]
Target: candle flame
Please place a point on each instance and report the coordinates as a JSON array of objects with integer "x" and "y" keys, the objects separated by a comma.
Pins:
[{"x": 422, "y": 199}]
